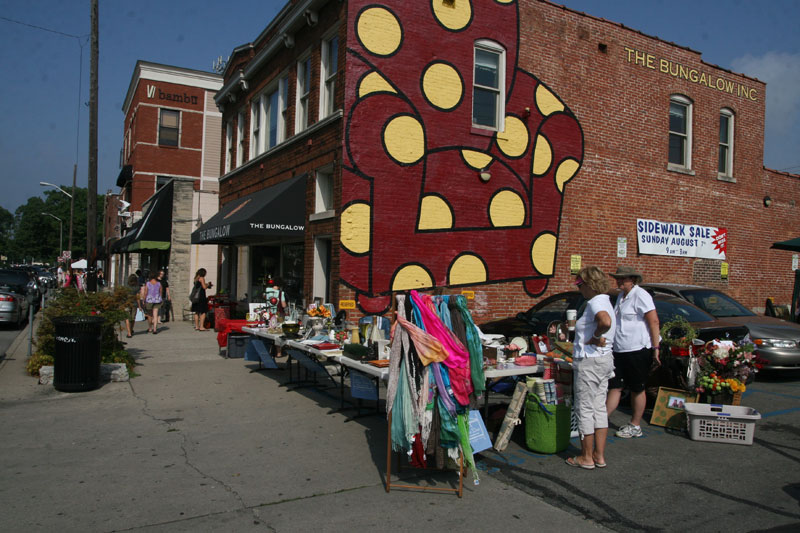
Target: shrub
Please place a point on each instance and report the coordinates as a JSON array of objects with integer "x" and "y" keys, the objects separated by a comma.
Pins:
[{"x": 111, "y": 305}]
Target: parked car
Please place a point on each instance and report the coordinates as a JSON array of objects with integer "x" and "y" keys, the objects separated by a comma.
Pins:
[
  {"x": 535, "y": 320},
  {"x": 777, "y": 341},
  {"x": 13, "y": 302}
]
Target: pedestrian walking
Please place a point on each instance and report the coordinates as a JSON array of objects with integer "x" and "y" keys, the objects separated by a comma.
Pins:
[
  {"x": 152, "y": 294},
  {"x": 130, "y": 320}
]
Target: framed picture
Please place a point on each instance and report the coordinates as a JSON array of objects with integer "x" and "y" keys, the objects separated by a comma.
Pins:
[{"x": 669, "y": 409}]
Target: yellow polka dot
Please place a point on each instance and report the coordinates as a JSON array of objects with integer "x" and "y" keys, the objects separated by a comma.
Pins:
[
  {"x": 404, "y": 139},
  {"x": 374, "y": 83},
  {"x": 514, "y": 138},
  {"x": 452, "y": 15},
  {"x": 467, "y": 269},
  {"x": 379, "y": 31},
  {"x": 411, "y": 277},
  {"x": 435, "y": 213},
  {"x": 475, "y": 159},
  {"x": 542, "y": 156},
  {"x": 355, "y": 230},
  {"x": 543, "y": 253},
  {"x": 547, "y": 101},
  {"x": 565, "y": 172},
  {"x": 506, "y": 209},
  {"x": 442, "y": 85}
]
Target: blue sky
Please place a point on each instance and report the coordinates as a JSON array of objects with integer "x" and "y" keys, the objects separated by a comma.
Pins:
[{"x": 42, "y": 135}]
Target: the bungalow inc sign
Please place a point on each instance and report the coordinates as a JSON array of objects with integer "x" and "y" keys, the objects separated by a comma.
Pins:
[
  {"x": 677, "y": 70},
  {"x": 682, "y": 240}
]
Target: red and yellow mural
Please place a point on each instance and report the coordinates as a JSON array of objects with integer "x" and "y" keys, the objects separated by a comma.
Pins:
[{"x": 428, "y": 199}]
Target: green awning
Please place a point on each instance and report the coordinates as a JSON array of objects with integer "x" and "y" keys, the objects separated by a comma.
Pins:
[
  {"x": 792, "y": 245},
  {"x": 155, "y": 232}
]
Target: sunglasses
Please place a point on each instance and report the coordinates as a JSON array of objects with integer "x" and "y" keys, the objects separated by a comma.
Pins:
[{"x": 579, "y": 282}]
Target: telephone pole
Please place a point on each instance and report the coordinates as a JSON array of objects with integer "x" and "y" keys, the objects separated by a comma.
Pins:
[{"x": 91, "y": 202}]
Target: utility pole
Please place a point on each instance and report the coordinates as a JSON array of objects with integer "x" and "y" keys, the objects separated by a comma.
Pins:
[{"x": 91, "y": 202}]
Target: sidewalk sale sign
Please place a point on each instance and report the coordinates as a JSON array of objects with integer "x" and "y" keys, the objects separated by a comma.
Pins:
[{"x": 684, "y": 240}]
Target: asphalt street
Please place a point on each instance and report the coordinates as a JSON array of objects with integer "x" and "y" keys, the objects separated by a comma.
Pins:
[{"x": 200, "y": 442}]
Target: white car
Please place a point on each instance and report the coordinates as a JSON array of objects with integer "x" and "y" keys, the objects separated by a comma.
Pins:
[{"x": 13, "y": 297}]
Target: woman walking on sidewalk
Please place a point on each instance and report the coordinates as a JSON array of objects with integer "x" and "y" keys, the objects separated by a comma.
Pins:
[
  {"x": 152, "y": 293},
  {"x": 200, "y": 307}
]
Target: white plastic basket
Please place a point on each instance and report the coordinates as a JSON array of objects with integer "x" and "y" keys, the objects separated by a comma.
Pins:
[{"x": 731, "y": 424}]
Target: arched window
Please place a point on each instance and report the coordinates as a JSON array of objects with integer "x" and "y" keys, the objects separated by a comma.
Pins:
[{"x": 680, "y": 132}]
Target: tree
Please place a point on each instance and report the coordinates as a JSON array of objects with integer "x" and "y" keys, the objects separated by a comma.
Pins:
[
  {"x": 6, "y": 230},
  {"x": 36, "y": 236}
]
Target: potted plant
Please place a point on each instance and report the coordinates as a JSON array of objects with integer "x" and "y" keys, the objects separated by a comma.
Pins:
[{"x": 678, "y": 335}]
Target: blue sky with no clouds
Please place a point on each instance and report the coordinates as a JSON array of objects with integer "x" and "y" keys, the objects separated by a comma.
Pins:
[{"x": 46, "y": 80}]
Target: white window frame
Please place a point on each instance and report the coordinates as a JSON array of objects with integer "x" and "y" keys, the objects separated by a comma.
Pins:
[
  {"x": 323, "y": 245},
  {"x": 494, "y": 48},
  {"x": 323, "y": 186},
  {"x": 686, "y": 164},
  {"x": 240, "y": 155},
  {"x": 256, "y": 128},
  {"x": 302, "y": 96},
  {"x": 229, "y": 143},
  {"x": 727, "y": 174},
  {"x": 327, "y": 79}
]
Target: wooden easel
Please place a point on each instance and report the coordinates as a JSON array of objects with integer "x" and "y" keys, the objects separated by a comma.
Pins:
[{"x": 459, "y": 491}]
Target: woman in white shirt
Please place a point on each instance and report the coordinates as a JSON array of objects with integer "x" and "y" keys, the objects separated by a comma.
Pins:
[
  {"x": 635, "y": 346},
  {"x": 593, "y": 365}
]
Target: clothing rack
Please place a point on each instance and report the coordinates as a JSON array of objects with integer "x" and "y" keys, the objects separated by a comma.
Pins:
[{"x": 459, "y": 491}]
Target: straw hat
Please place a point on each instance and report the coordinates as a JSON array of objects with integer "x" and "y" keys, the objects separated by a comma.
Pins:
[{"x": 626, "y": 271}]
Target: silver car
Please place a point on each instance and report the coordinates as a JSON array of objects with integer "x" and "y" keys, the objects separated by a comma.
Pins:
[
  {"x": 777, "y": 341},
  {"x": 13, "y": 302}
]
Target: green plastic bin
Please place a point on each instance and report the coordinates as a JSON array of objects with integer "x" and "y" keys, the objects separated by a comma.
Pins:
[{"x": 547, "y": 427}]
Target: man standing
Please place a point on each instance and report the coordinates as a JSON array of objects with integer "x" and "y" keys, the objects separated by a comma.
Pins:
[{"x": 635, "y": 346}]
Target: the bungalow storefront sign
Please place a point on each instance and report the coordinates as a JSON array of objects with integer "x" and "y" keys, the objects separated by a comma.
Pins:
[{"x": 684, "y": 240}]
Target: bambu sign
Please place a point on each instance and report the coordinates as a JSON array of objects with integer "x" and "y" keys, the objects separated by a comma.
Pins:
[{"x": 676, "y": 70}]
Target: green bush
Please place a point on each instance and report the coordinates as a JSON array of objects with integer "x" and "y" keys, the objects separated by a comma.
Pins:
[{"x": 111, "y": 305}]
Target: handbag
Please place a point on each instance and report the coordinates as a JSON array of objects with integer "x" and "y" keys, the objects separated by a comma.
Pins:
[
  {"x": 194, "y": 296},
  {"x": 139, "y": 315}
]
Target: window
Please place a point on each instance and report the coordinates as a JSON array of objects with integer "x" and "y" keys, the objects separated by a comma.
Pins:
[
  {"x": 268, "y": 124},
  {"x": 303, "y": 88},
  {"x": 228, "y": 146},
  {"x": 240, "y": 158},
  {"x": 168, "y": 127},
  {"x": 255, "y": 128},
  {"x": 330, "y": 54},
  {"x": 322, "y": 268},
  {"x": 725, "y": 163},
  {"x": 161, "y": 181},
  {"x": 324, "y": 197},
  {"x": 680, "y": 132},
  {"x": 488, "y": 93}
]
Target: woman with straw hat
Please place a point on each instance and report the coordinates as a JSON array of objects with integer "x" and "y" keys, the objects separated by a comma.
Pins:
[{"x": 635, "y": 346}]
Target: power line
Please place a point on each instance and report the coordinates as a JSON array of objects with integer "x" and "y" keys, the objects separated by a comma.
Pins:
[{"x": 34, "y": 26}]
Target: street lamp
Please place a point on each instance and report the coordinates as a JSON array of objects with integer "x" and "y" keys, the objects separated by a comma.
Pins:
[
  {"x": 71, "y": 210},
  {"x": 60, "y": 232}
]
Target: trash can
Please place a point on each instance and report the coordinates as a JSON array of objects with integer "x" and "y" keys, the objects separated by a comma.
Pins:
[{"x": 77, "y": 357}]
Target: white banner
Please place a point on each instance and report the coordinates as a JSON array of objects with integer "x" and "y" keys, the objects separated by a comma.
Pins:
[{"x": 683, "y": 240}]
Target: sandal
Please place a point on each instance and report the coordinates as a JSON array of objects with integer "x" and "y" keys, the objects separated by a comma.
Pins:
[
  {"x": 573, "y": 461},
  {"x": 129, "y": 335}
]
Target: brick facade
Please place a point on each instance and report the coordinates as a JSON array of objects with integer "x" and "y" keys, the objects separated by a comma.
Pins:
[{"x": 596, "y": 91}]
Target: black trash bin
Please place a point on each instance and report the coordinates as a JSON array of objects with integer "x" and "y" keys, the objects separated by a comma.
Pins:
[{"x": 77, "y": 358}]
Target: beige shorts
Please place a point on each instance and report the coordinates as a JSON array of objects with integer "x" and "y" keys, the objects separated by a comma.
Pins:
[{"x": 150, "y": 306}]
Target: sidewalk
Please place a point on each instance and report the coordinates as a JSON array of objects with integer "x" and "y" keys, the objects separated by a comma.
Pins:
[{"x": 199, "y": 442}]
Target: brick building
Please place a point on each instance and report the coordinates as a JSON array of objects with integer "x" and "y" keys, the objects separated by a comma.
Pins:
[
  {"x": 169, "y": 181},
  {"x": 529, "y": 140}
]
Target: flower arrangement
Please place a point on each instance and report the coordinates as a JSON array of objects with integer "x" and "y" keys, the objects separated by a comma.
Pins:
[
  {"x": 319, "y": 310},
  {"x": 678, "y": 333},
  {"x": 341, "y": 336},
  {"x": 725, "y": 366}
]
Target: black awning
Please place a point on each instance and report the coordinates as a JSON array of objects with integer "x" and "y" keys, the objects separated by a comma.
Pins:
[
  {"x": 155, "y": 231},
  {"x": 791, "y": 245},
  {"x": 121, "y": 246},
  {"x": 125, "y": 175},
  {"x": 276, "y": 211}
]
